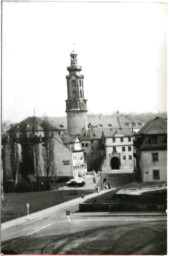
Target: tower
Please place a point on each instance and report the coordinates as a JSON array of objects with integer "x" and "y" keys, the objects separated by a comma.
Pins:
[{"x": 76, "y": 105}]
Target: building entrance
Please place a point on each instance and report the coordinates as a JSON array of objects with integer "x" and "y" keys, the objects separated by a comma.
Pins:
[{"x": 115, "y": 163}]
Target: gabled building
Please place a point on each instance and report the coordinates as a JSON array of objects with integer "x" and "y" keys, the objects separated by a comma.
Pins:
[
  {"x": 118, "y": 148},
  {"x": 151, "y": 151},
  {"x": 33, "y": 127},
  {"x": 79, "y": 165}
]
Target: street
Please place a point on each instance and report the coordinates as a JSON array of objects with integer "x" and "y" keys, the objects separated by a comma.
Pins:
[{"x": 88, "y": 233}]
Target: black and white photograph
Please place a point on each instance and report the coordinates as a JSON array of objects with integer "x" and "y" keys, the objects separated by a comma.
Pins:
[{"x": 84, "y": 127}]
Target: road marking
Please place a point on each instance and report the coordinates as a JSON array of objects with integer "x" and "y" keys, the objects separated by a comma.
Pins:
[{"x": 35, "y": 231}]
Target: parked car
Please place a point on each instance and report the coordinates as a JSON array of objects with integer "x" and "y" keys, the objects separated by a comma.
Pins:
[{"x": 78, "y": 182}]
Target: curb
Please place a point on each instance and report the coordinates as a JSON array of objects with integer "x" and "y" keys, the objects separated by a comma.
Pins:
[{"x": 45, "y": 212}]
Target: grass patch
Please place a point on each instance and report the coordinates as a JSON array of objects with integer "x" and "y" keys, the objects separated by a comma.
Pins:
[{"x": 14, "y": 205}]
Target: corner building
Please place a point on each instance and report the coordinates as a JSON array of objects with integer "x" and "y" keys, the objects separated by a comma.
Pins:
[{"x": 76, "y": 104}]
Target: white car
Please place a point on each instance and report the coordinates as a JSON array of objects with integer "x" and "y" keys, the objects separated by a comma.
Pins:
[{"x": 79, "y": 182}]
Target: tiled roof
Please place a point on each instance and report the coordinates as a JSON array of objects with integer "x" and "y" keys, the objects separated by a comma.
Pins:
[
  {"x": 155, "y": 126},
  {"x": 32, "y": 124},
  {"x": 69, "y": 139},
  {"x": 99, "y": 121}
]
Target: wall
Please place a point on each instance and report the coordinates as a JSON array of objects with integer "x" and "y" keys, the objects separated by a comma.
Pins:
[
  {"x": 62, "y": 165},
  {"x": 147, "y": 165},
  {"x": 76, "y": 121},
  {"x": 93, "y": 153}
]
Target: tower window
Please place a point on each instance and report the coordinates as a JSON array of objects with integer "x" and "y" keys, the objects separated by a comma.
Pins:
[
  {"x": 73, "y": 83},
  {"x": 74, "y": 94},
  {"x": 81, "y": 94}
]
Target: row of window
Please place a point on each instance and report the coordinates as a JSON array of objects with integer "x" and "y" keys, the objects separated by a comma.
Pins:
[
  {"x": 74, "y": 82},
  {"x": 124, "y": 149},
  {"x": 121, "y": 139},
  {"x": 127, "y": 157}
]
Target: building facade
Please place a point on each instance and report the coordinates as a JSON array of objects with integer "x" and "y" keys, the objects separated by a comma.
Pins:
[
  {"x": 151, "y": 151},
  {"x": 118, "y": 145},
  {"x": 76, "y": 104}
]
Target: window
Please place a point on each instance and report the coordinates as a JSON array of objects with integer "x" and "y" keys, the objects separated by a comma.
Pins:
[
  {"x": 155, "y": 157},
  {"x": 80, "y": 82},
  {"x": 73, "y": 83},
  {"x": 127, "y": 124},
  {"x": 86, "y": 144},
  {"x": 91, "y": 141},
  {"x": 82, "y": 144},
  {"x": 85, "y": 153},
  {"x": 113, "y": 139},
  {"x": 114, "y": 149},
  {"x": 123, "y": 149},
  {"x": 100, "y": 125},
  {"x": 139, "y": 123},
  {"x": 110, "y": 125},
  {"x": 92, "y": 148},
  {"x": 153, "y": 140},
  {"x": 81, "y": 94},
  {"x": 124, "y": 157},
  {"x": 129, "y": 139},
  {"x": 156, "y": 174},
  {"x": 133, "y": 123},
  {"x": 130, "y": 157},
  {"x": 74, "y": 94},
  {"x": 121, "y": 139},
  {"x": 129, "y": 148}
]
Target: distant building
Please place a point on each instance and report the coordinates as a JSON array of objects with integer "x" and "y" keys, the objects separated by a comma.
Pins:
[
  {"x": 151, "y": 151},
  {"x": 32, "y": 127},
  {"x": 118, "y": 147},
  {"x": 78, "y": 163}
]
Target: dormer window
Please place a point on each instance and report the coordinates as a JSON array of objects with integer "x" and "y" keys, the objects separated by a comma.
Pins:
[{"x": 154, "y": 140}]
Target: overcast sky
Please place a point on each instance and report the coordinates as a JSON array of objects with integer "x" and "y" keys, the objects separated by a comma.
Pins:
[{"x": 122, "y": 48}]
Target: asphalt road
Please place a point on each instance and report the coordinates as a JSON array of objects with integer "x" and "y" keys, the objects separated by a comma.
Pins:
[{"x": 88, "y": 233}]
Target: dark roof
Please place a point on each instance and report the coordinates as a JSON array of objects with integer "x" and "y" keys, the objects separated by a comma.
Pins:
[
  {"x": 32, "y": 124},
  {"x": 69, "y": 139},
  {"x": 155, "y": 126},
  {"x": 100, "y": 121}
]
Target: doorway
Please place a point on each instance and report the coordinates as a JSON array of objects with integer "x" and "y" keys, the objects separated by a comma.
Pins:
[{"x": 115, "y": 163}]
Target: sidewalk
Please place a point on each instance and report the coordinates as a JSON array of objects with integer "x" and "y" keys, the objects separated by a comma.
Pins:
[{"x": 41, "y": 214}]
